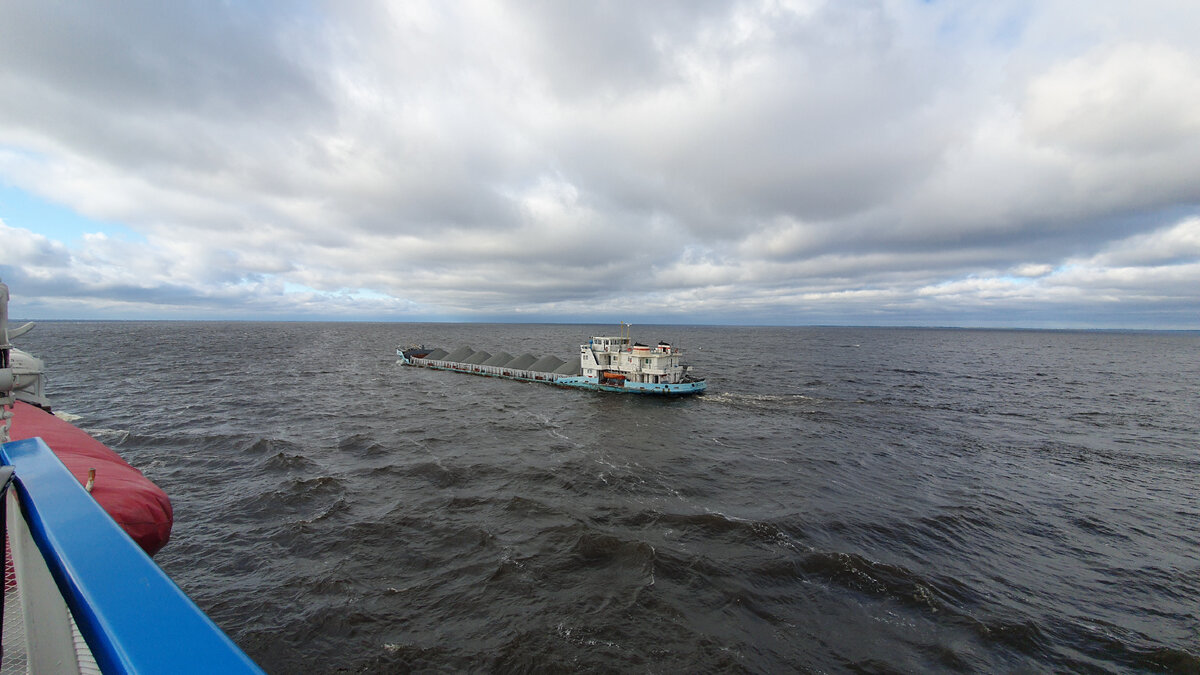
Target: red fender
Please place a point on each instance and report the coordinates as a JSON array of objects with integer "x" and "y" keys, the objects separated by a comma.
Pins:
[{"x": 139, "y": 506}]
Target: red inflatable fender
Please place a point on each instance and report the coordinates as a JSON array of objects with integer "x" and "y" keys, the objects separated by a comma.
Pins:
[{"x": 139, "y": 506}]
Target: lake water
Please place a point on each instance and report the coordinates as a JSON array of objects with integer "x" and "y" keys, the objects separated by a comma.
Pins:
[{"x": 841, "y": 500}]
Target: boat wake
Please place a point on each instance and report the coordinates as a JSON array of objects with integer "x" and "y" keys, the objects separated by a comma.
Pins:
[{"x": 765, "y": 401}]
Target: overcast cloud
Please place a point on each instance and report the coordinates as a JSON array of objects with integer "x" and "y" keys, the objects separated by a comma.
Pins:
[{"x": 864, "y": 162}]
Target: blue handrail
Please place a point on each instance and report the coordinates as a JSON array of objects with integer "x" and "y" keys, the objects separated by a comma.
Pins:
[{"x": 133, "y": 617}]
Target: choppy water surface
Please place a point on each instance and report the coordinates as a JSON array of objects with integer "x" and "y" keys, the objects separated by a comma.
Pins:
[{"x": 841, "y": 499}]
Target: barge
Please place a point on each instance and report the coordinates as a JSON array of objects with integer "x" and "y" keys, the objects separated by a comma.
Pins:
[{"x": 606, "y": 363}]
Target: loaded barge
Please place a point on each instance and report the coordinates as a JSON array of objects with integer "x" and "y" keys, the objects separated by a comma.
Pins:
[{"x": 606, "y": 363}]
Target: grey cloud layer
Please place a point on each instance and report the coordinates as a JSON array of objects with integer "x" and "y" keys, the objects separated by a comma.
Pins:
[{"x": 879, "y": 162}]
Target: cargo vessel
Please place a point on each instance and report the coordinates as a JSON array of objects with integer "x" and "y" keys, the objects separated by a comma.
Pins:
[{"x": 606, "y": 363}]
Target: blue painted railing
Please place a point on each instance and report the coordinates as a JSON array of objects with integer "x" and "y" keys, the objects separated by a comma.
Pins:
[{"x": 132, "y": 616}]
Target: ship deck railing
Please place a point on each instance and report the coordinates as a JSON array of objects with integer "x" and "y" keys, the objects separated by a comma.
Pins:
[{"x": 79, "y": 594}]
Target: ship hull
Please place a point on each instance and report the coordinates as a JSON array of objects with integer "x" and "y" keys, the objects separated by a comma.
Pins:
[{"x": 675, "y": 389}]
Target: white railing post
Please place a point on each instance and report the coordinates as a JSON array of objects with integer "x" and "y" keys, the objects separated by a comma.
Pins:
[{"x": 49, "y": 642}]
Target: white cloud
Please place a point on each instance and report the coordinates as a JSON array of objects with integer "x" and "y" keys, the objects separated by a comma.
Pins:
[
  {"x": 1127, "y": 98},
  {"x": 22, "y": 247},
  {"x": 1174, "y": 244},
  {"x": 748, "y": 161}
]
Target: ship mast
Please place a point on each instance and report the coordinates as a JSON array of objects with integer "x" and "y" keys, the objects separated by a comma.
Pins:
[{"x": 8, "y": 379}]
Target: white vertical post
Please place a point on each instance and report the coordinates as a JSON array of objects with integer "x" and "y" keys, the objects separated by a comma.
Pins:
[
  {"x": 7, "y": 377},
  {"x": 49, "y": 643}
]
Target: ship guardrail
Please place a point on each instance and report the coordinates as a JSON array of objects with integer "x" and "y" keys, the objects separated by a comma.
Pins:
[{"x": 89, "y": 597}]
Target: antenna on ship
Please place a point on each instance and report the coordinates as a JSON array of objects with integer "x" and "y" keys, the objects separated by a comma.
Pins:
[
  {"x": 8, "y": 379},
  {"x": 626, "y": 333}
]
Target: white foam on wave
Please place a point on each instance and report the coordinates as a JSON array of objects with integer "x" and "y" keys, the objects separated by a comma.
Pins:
[
  {"x": 738, "y": 398},
  {"x": 116, "y": 435}
]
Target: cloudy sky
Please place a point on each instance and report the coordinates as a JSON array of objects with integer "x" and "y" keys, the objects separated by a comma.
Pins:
[{"x": 872, "y": 162}]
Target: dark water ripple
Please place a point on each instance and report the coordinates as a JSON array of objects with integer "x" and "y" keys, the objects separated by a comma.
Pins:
[{"x": 843, "y": 500}]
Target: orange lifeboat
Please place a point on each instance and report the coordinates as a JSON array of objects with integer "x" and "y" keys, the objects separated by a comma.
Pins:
[{"x": 612, "y": 376}]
